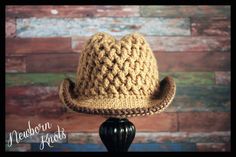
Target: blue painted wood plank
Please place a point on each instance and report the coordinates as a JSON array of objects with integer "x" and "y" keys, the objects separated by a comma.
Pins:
[
  {"x": 51, "y": 27},
  {"x": 149, "y": 147},
  {"x": 163, "y": 147},
  {"x": 69, "y": 147}
]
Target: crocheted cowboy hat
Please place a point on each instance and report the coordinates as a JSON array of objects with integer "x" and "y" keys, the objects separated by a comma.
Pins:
[{"x": 117, "y": 79}]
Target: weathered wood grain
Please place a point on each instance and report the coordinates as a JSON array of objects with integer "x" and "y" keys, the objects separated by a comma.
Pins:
[
  {"x": 185, "y": 10},
  {"x": 68, "y": 147},
  {"x": 36, "y": 79},
  {"x": 158, "y": 122},
  {"x": 137, "y": 147},
  {"x": 58, "y": 62},
  {"x": 37, "y": 45},
  {"x": 213, "y": 26},
  {"x": 71, "y": 122},
  {"x": 10, "y": 27},
  {"x": 54, "y": 27},
  {"x": 191, "y": 62},
  {"x": 213, "y": 147},
  {"x": 190, "y": 44},
  {"x": 53, "y": 79},
  {"x": 175, "y": 43},
  {"x": 185, "y": 137},
  {"x": 72, "y": 11},
  {"x": 88, "y": 123},
  {"x": 44, "y": 101},
  {"x": 190, "y": 78},
  {"x": 18, "y": 148},
  {"x": 223, "y": 77},
  {"x": 15, "y": 64},
  {"x": 158, "y": 137},
  {"x": 150, "y": 147},
  {"x": 201, "y": 98},
  {"x": 211, "y": 61},
  {"x": 204, "y": 121}
]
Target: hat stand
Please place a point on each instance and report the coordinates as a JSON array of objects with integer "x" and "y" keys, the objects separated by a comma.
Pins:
[{"x": 117, "y": 134}]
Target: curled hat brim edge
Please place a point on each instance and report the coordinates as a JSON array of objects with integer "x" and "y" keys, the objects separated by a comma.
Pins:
[{"x": 165, "y": 97}]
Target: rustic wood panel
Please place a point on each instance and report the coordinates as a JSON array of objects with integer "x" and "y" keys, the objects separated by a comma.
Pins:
[
  {"x": 185, "y": 10},
  {"x": 177, "y": 43},
  {"x": 205, "y": 121},
  {"x": 88, "y": 123},
  {"x": 71, "y": 11},
  {"x": 158, "y": 122},
  {"x": 158, "y": 137},
  {"x": 223, "y": 77},
  {"x": 52, "y": 79},
  {"x": 190, "y": 122},
  {"x": 213, "y": 26},
  {"x": 166, "y": 61},
  {"x": 200, "y": 98},
  {"x": 192, "y": 43},
  {"x": 213, "y": 147},
  {"x": 15, "y": 64},
  {"x": 37, "y": 45},
  {"x": 71, "y": 122},
  {"x": 44, "y": 101},
  {"x": 36, "y": 79},
  {"x": 193, "y": 61},
  {"x": 18, "y": 148},
  {"x": 189, "y": 44},
  {"x": 58, "y": 62},
  {"x": 54, "y": 27},
  {"x": 10, "y": 27},
  {"x": 32, "y": 100},
  {"x": 136, "y": 147}
]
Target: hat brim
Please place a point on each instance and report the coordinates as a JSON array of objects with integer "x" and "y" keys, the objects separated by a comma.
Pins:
[{"x": 122, "y": 107}]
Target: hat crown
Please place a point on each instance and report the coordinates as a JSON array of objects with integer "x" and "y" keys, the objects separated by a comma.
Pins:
[{"x": 109, "y": 68}]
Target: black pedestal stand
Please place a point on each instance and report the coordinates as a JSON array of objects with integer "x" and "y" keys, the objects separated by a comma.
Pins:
[{"x": 117, "y": 134}]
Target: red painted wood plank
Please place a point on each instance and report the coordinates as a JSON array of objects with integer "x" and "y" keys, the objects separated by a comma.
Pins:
[
  {"x": 78, "y": 122},
  {"x": 78, "y": 42},
  {"x": 176, "y": 61},
  {"x": 38, "y": 45},
  {"x": 204, "y": 121},
  {"x": 58, "y": 62},
  {"x": 177, "y": 43},
  {"x": 211, "y": 61},
  {"x": 15, "y": 64},
  {"x": 71, "y": 122},
  {"x": 158, "y": 122},
  {"x": 71, "y": 11},
  {"x": 32, "y": 101},
  {"x": 214, "y": 26}
]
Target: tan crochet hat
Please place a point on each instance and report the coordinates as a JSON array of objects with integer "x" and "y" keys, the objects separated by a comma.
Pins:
[{"x": 117, "y": 79}]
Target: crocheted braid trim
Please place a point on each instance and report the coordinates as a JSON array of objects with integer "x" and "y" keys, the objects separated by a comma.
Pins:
[{"x": 68, "y": 96}]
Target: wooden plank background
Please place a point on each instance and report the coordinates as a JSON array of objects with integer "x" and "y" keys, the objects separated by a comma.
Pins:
[{"x": 190, "y": 43}]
